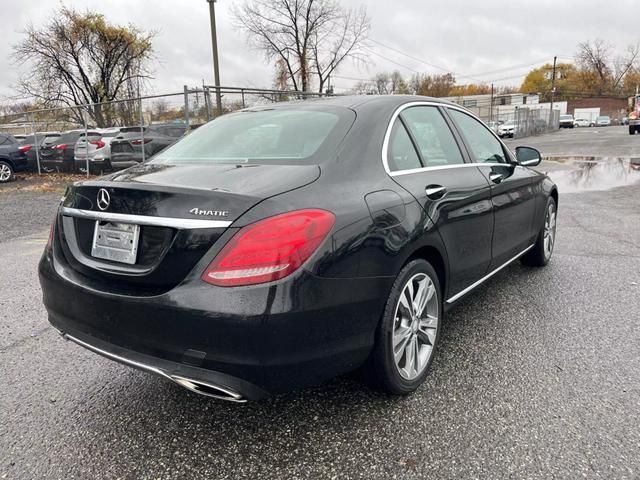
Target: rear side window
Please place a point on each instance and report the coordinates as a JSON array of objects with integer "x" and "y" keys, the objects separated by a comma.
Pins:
[
  {"x": 484, "y": 146},
  {"x": 4, "y": 139},
  {"x": 401, "y": 154},
  {"x": 433, "y": 136},
  {"x": 284, "y": 136}
]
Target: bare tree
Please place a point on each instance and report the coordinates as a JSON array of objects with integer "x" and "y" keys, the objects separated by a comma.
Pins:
[
  {"x": 344, "y": 39},
  {"x": 81, "y": 58},
  {"x": 305, "y": 35},
  {"x": 593, "y": 58},
  {"x": 625, "y": 64}
]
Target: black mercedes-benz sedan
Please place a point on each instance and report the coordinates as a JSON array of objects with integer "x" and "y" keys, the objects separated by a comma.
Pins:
[{"x": 282, "y": 245}]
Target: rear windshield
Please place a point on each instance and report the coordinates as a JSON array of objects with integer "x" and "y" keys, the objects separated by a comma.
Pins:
[
  {"x": 70, "y": 137},
  {"x": 131, "y": 132},
  {"x": 295, "y": 135},
  {"x": 50, "y": 139},
  {"x": 566, "y": 117},
  {"x": 110, "y": 134}
]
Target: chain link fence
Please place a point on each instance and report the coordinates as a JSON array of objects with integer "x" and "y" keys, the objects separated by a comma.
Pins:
[
  {"x": 512, "y": 120},
  {"x": 65, "y": 139}
]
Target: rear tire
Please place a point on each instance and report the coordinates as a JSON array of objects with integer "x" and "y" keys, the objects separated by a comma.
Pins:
[
  {"x": 6, "y": 172},
  {"x": 632, "y": 131},
  {"x": 542, "y": 250},
  {"x": 408, "y": 332}
]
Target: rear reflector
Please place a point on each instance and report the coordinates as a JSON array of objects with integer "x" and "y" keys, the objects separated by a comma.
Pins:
[{"x": 269, "y": 249}]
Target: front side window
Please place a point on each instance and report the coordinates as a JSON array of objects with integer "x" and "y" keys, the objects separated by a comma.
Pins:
[
  {"x": 484, "y": 146},
  {"x": 285, "y": 136},
  {"x": 401, "y": 154},
  {"x": 437, "y": 145}
]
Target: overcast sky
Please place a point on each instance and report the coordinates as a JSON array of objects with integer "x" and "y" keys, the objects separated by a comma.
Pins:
[{"x": 484, "y": 39}]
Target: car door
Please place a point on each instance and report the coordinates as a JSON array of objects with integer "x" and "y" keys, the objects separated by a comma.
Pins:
[
  {"x": 513, "y": 188},
  {"x": 424, "y": 157}
]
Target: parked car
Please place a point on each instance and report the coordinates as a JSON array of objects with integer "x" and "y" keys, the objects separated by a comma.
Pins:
[
  {"x": 280, "y": 246},
  {"x": 128, "y": 146},
  {"x": 12, "y": 157},
  {"x": 566, "y": 121},
  {"x": 59, "y": 157},
  {"x": 507, "y": 129},
  {"x": 494, "y": 126},
  {"x": 44, "y": 139},
  {"x": 582, "y": 122},
  {"x": 98, "y": 149},
  {"x": 603, "y": 121}
]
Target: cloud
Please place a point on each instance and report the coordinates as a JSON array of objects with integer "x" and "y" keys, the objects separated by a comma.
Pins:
[{"x": 465, "y": 37}]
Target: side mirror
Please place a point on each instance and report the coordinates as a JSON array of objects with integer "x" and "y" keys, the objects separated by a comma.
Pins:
[{"x": 528, "y": 157}]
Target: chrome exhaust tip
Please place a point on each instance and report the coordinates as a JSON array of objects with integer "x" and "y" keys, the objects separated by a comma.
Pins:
[{"x": 209, "y": 390}]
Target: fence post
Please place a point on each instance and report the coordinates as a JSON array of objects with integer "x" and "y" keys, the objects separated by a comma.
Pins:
[
  {"x": 207, "y": 101},
  {"x": 242, "y": 92},
  {"x": 142, "y": 132},
  {"x": 35, "y": 144},
  {"x": 186, "y": 106},
  {"x": 86, "y": 142}
]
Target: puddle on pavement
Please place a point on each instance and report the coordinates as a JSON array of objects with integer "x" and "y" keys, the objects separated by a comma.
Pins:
[{"x": 587, "y": 173}]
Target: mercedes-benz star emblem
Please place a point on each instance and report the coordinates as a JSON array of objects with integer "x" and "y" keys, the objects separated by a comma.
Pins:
[{"x": 103, "y": 199}]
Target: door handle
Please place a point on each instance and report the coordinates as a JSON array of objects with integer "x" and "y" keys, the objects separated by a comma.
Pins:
[
  {"x": 435, "y": 192},
  {"x": 496, "y": 177}
]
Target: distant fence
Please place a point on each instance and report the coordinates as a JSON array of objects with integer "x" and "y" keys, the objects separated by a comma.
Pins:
[
  {"x": 191, "y": 107},
  {"x": 195, "y": 106},
  {"x": 527, "y": 119}
]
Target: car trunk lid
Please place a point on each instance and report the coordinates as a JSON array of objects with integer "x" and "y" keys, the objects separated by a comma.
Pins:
[{"x": 180, "y": 211}]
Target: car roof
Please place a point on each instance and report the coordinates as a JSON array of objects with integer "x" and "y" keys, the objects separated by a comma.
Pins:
[{"x": 355, "y": 101}]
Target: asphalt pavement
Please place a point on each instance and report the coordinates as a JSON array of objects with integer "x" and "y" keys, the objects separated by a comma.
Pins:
[{"x": 537, "y": 376}]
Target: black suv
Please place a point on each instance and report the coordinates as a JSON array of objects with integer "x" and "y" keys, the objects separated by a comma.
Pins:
[
  {"x": 128, "y": 147},
  {"x": 12, "y": 157}
]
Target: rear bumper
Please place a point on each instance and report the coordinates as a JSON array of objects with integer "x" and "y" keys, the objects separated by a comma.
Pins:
[{"x": 252, "y": 341}]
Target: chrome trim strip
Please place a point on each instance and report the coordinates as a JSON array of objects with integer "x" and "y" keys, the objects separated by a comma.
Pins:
[
  {"x": 396, "y": 114},
  {"x": 117, "y": 358},
  {"x": 188, "y": 383},
  {"x": 181, "y": 223},
  {"x": 488, "y": 276}
]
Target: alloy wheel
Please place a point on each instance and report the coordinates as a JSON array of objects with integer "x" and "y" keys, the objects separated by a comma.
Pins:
[
  {"x": 415, "y": 326},
  {"x": 5, "y": 172},
  {"x": 549, "y": 230}
]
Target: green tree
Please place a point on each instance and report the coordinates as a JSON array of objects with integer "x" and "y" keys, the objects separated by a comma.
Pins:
[
  {"x": 80, "y": 58},
  {"x": 540, "y": 80}
]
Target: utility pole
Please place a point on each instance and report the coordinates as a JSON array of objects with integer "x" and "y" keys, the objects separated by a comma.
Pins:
[
  {"x": 553, "y": 89},
  {"x": 553, "y": 82},
  {"x": 214, "y": 46}
]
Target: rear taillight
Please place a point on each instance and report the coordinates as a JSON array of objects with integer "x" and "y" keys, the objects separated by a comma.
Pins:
[
  {"x": 97, "y": 143},
  {"x": 140, "y": 141},
  {"x": 269, "y": 249},
  {"x": 61, "y": 146},
  {"x": 51, "y": 233},
  {"x": 25, "y": 148}
]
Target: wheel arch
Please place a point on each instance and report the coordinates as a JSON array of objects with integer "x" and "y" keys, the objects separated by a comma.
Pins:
[
  {"x": 8, "y": 160},
  {"x": 437, "y": 260}
]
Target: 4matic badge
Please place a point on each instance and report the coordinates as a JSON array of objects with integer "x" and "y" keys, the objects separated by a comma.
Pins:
[{"x": 209, "y": 213}]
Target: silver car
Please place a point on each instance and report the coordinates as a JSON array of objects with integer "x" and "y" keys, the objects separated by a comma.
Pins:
[{"x": 97, "y": 149}]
